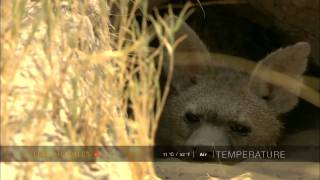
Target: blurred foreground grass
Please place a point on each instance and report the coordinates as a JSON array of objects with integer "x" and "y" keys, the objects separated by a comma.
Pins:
[{"x": 68, "y": 72}]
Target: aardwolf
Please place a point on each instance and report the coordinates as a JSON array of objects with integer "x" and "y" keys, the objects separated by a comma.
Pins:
[{"x": 220, "y": 106}]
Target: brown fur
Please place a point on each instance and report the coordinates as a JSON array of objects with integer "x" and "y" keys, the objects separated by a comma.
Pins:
[{"x": 218, "y": 99}]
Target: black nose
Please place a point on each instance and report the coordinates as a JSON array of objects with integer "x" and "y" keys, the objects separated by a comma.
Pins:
[{"x": 192, "y": 117}]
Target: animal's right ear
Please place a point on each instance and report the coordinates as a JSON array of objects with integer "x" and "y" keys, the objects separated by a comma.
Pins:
[{"x": 191, "y": 59}]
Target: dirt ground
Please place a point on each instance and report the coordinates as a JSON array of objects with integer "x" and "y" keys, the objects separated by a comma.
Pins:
[{"x": 243, "y": 170}]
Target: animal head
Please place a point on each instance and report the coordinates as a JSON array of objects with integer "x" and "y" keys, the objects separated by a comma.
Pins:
[{"x": 214, "y": 106}]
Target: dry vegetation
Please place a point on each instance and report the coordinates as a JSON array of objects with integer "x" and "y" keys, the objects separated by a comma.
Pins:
[{"x": 68, "y": 71}]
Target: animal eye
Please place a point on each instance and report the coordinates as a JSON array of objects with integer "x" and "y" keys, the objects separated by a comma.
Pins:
[
  {"x": 192, "y": 118},
  {"x": 266, "y": 98},
  {"x": 240, "y": 129}
]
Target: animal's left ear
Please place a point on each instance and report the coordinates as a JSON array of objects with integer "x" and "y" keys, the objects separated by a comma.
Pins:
[{"x": 291, "y": 61}]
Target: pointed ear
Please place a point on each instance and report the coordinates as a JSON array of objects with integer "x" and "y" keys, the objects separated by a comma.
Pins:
[
  {"x": 291, "y": 61},
  {"x": 191, "y": 59}
]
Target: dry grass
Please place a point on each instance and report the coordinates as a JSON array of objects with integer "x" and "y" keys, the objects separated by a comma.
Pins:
[{"x": 68, "y": 71}]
